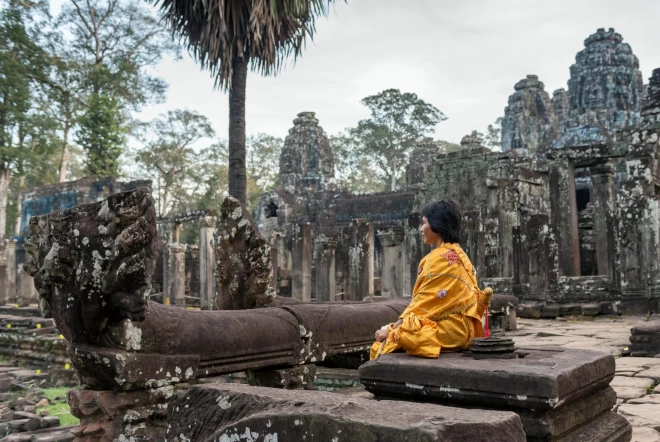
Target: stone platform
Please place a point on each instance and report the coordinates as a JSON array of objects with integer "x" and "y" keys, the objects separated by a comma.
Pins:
[
  {"x": 238, "y": 412},
  {"x": 559, "y": 394},
  {"x": 645, "y": 339}
]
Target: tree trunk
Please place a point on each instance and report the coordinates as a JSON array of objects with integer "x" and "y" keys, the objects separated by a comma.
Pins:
[
  {"x": 19, "y": 205},
  {"x": 64, "y": 161},
  {"x": 4, "y": 187},
  {"x": 166, "y": 201},
  {"x": 393, "y": 181},
  {"x": 237, "y": 175}
]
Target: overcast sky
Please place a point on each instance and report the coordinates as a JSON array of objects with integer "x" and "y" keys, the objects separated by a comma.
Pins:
[{"x": 462, "y": 56}]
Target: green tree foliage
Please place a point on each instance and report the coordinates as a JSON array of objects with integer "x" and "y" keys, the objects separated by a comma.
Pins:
[
  {"x": 102, "y": 134},
  {"x": 398, "y": 122},
  {"x": 24, "y": 134},
  {"x": 102, "y": 49},
  {"x": 354, "y": 169},
  {"x": 169, "y": 153},
  {"x": 493, "y": 136},
  {"x": 263, "y": 165}
]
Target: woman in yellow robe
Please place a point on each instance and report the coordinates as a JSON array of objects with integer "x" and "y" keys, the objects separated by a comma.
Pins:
[{"x": 447, "y": 306}]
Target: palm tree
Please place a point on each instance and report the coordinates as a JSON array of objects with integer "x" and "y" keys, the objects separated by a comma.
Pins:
[{"x": 225, "y": 36}]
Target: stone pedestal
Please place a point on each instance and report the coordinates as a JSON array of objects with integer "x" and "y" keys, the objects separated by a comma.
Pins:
[
  {"x": 394, "y": 262},
  {"x": 302, "y": 263},
  {"x": 207, "y": 282},
  {"x": 28, "y": 293},
  {"x": 325, "y": 270},
  {"x": 361, "y": 261},
  {"x": 560, "y": 394},
  {"x": 177, "y": 275},
  {"x": 108, "y": 416},
  {"x": 645, "y": 340}
]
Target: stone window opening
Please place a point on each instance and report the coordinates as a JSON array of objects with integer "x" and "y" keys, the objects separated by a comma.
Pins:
[{"x": 271, "y": 210}]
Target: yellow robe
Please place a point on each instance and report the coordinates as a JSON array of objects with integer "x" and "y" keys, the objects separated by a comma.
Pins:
[{"x": 445, "y": 311}]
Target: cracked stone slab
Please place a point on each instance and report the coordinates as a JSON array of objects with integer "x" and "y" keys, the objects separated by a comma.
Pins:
[
  {"x": 630, "y": 387},
  {"x": 641, "y": 434},
  {"x": 641, "y": 415},
  {"x": 239, "y": 412}
]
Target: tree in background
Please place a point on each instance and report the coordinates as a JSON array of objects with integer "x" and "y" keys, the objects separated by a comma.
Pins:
[
  {"x": 106, "y": 45},
  {"x": 169, "y": 151},
  {"x": 354, "y": 168},
  {"x": 226, "y": 36},
  {"x": 21, "y": 126},
  {"x": 398, "y": 122},
  {"x": 262, "y": 161},
  {"x": 493, "y": 136}
]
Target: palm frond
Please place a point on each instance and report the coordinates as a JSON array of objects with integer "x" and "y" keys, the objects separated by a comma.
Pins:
[{"x": 266, "y": 32}]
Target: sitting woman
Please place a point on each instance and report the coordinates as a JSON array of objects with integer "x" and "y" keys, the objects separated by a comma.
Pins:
[{"x": 447, "y": 307}]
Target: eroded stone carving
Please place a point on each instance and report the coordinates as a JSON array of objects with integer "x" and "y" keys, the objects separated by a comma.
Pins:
[
  {"x": 92, "y": 265},
  {"x": 243, "y": 266}
]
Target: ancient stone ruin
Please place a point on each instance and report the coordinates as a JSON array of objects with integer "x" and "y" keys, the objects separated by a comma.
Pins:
[{"x": 564, "y": 219}]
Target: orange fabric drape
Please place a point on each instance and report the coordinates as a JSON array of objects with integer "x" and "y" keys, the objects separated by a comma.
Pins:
[{"x": 445, "y": 311}]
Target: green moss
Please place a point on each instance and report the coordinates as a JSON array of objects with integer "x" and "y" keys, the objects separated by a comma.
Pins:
[{"x": 59, "y": 408}]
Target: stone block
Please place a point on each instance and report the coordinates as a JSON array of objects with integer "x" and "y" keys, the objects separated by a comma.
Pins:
[
  {"x": 232, "y": 411},
  {"x": 121, "y": 370},
  {"x": 544, "y": 379},
  {"x": 608, "y": 427},
  {"x": 590, "y": 309},
  {"x": 530, "y": 311},
  {"x": 107, "y": 416},
  {"x": 570, "y": 309},
  {"x": 554, "y": 391},
  {"x": 550, "y": 311}
]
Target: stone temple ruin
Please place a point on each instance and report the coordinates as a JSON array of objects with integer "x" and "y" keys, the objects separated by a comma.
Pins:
[
  {"x": 565, "y": 218},
  {"x": 563, "y": 221}
]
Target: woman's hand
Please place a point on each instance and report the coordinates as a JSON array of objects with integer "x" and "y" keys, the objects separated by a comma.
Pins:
[{"x": 381, "y": 335}]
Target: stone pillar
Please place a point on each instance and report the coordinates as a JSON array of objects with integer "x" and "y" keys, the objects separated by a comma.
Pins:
[
  {"x": 602, "y": 177},
  {"x": 361, "y": 261},
  {"x": 302, "y": 263},
  {"x": 564, "y": 215},
  {"x": 325, "y": 273},
  {"x": 177, "y": 275},
  {"x": 11, "y": 271},
  {"x": 176, "y": 233},
  {"x": 394, "y": 262},
  {"x": 206, "y": 263},
  {"x": 274, "y": 262},
  {"x": 28, "y": 293}
]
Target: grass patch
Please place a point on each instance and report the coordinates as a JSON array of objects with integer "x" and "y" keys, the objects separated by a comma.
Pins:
[{"x": 59, "y": 408}]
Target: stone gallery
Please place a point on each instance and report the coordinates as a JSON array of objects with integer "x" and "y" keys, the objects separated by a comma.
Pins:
[{"x": 563, "y": 221}]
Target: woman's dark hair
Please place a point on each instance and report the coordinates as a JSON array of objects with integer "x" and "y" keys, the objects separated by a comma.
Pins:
[{"x": 444, "y": 217}]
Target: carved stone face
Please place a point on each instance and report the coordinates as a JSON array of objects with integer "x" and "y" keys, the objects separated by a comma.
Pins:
[{"x": 92, "y": 263}]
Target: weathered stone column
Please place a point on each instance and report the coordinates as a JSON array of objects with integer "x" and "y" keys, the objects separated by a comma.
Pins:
[
  {"x": 28, "y": 293},
  {"x": 394, "y": 262},
  {"x": 206, "y": 263},
  {"x": 11, "y": 270},
  {"x": 325, "y": 273},
  {"x": 361, "y": 261},
  {"x": 564, "y": 215},
  {"x": 302, "y": 263},
  {"x": 602, "y": 177},
  {"x": 177, "y": 275}
]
